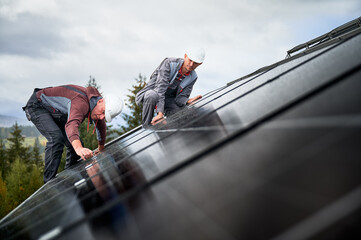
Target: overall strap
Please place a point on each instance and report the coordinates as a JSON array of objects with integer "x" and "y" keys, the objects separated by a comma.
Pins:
[{"x": 75, "y": 90}]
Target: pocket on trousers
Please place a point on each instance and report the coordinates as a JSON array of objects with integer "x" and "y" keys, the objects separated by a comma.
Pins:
[{"x": 28, "y": 116}]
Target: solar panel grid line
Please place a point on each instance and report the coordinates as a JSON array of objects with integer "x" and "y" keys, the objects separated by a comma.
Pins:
[
  {"x": 136, "y": 129},
  {"x": 54, "y": 196},
  {"x": 313, "y": 146},
  {"x": 216, "y": 230},
  {"x": 222, "y": 142},
  {"x": 69, "y": 189},
  {"x": 259, "y": 86},
  {"x": 82, "y": 198},
  {"x": 329, "y": 121},
  {"x": 41, "y": 191},
  {"x": 229, "y": 90},
  {"x": 324, "y": 218},
  {"x": 263, "y": 84},
  {"x": 210, "y": 93},
  {"x": 207, "y": 128},
  {"x": 250, "y": 80}
]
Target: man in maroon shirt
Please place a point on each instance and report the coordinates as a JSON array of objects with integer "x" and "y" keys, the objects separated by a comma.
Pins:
[{"x": 57, "y": 113}]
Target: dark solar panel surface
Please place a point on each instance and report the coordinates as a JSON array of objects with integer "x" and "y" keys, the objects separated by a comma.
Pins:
[{"x": 272, "y": 156}]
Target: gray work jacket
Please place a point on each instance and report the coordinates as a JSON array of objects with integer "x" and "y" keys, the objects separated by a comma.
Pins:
[{"x": 161, "y": 79}]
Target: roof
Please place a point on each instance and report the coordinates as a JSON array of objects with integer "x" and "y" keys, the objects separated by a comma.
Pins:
[{"x": 274, "y": 154}]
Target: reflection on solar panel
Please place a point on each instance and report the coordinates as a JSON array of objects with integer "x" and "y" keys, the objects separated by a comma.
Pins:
[{"x": 275, "y": 154}]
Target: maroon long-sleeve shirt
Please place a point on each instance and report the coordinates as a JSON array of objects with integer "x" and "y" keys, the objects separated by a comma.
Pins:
[{"x": 75, "y": 103}]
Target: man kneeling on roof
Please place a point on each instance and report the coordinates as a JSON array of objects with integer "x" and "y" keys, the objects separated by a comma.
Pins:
[
  {"x": 170, "y": 86},
  {"x": 57, "y": 113}
]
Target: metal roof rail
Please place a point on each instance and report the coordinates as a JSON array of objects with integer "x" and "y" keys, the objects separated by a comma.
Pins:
[{"x": 340, "y": 33}]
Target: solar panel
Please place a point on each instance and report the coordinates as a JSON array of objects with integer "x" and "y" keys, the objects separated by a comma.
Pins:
[{"x": 270, "y": 156}]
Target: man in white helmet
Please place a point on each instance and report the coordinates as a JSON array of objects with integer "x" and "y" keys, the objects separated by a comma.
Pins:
[
  {"x": 57, "y": 113},
  {"x": 170, "y": 86}
]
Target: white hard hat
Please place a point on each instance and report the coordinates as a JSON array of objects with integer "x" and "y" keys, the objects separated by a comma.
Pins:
[
  {"x": 113, "y": 106},
  {"x": 196, "y": 54}
]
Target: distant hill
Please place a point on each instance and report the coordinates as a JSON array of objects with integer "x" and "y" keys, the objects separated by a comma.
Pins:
[{"x": 9, "y": 121}]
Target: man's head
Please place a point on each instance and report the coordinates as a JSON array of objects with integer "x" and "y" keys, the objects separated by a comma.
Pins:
[
  {"x": 107, "y": 108},
  {"x": 193, "y": 58}
]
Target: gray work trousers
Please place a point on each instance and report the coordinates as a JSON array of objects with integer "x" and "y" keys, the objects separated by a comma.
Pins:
[{"x": 150, "y": 100}]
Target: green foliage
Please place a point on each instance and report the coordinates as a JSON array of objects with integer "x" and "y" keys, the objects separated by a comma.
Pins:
[
  {"x": 4, "y": 207},
  {"x": 3, "y": 159},
  {"x": 16, "y": 183},
  {"x": 21, "y": 183},
  {"x": 62, "y": 161},
  {"x": 35, "y": 181},
  {"x": 36, "y": 157},
  {"x": 135, "y": 118},
  {"x": 17, "y": 149},
  {"x": 88, "y": 138},
  {"x": 20, "y": 176}
]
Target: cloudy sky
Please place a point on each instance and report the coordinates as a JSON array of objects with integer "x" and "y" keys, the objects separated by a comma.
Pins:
[{"x": 54, "y": 42}]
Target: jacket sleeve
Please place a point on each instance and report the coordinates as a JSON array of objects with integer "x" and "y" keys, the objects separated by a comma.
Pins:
[
  {"x": 162, "y": 83},
  {"x": 77, "y": 110},
  {"x": 182, "y": 96}
]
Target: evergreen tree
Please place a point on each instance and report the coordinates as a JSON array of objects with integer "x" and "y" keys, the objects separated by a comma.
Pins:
[
  {"x": 62, "y": 161},
  {"x": 4, "y": 208},
  {"x": 21, "y": 183},
  {"x": 93, "y": 83},
  {"x": 88, "y": 138},
  {"x": 17, "y": 149},
  {"x": 35, "y": 181},
  {"x": 36, "y": 157},
  {"x": 16, "y": 183},
  {"x": 3, "y": 161},
  {"x": 135, "y": 118}
]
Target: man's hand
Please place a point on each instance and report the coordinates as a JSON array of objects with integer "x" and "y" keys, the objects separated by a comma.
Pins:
[
  {"x": 194, "y": 99},
  {"x": 157, "y": 118},
  {"x": 82, "y": 152},
  {"x": 100, "y": 148}
]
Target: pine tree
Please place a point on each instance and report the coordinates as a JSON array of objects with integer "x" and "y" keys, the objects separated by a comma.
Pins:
[
  {"x": 36, "y": 157},
  {"x": 21, "y": 183},
  {"x": 4, "y": 208},
  {"x": 17, "y": 148},
  {"x": 16, "y": 183},
  {"x": 93, "y": 83},
  {"x": 135, "y": 118},
  {"x": 3, "y": 160},
  {"x": 35, "y": 181}
]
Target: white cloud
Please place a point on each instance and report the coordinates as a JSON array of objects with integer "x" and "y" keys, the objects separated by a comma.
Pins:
[{"x": 53, "y": 42}]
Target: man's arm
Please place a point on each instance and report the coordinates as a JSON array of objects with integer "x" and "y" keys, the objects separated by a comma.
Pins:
[{"x": 162, "y": 83}]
